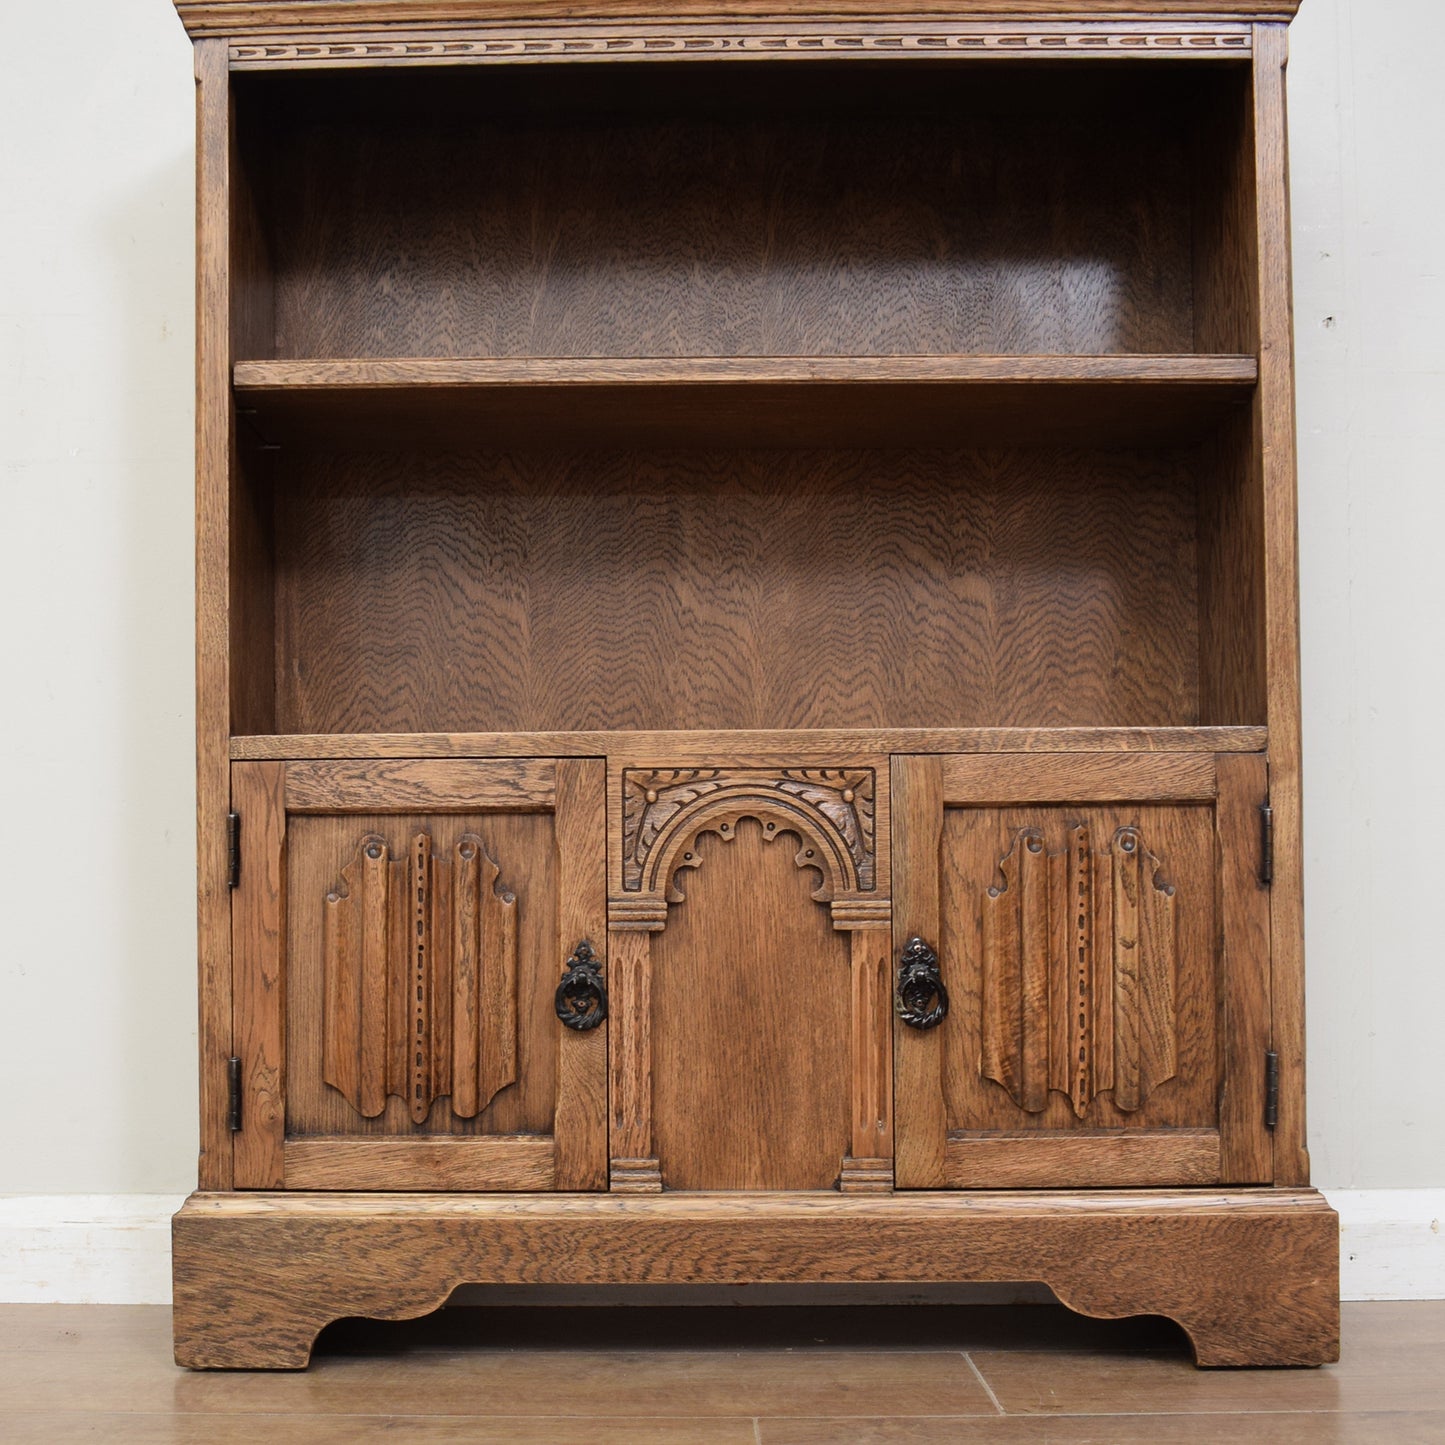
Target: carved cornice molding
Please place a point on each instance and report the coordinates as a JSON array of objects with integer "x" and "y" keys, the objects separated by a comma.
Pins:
[{"x": 306, "y": 17}]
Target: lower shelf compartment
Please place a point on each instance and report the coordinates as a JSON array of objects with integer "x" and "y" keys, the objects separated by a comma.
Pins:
[
  {"x": 1251, "y": 1275},
  {"x": 547, "y": 587}
]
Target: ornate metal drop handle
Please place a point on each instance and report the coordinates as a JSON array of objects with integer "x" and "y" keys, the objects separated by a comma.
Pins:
[
  {"x": 921, "y": 1000},
  {"x": 581, "y": 1000}
]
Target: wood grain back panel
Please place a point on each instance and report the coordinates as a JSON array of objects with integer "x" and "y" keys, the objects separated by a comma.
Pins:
[
  {"x": 750, "y": 1024},
  {"x": 734, "y": 212},
  {"x": 1232, "y": 651},
  {"x": 673, "y": 590}
]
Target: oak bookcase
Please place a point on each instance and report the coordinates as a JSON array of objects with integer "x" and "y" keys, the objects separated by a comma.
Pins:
[{"x": 748, "y": 671}]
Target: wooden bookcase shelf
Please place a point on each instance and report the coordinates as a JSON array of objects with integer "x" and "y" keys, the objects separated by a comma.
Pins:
[
  {"x": 610, "y": 469},
  {"x": 267, "y": 748},
  {"x": 537, "y": 373},
  {"x": 755, "y": 400}
]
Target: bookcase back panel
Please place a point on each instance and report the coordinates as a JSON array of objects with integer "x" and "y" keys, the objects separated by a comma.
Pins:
[
  {"x": 857, "y": 213},
  {"x": 537, "y": 591}
]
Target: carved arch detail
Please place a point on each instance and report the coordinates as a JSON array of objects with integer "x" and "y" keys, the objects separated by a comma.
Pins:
[
  {"x": 664, "y": 811},
  {"x": 677, "y": 849},
  {"x": 830, "y": 810}
]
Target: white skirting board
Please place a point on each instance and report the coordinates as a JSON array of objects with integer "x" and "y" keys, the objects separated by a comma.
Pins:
[
  {"x": 1392, "y": 1242},
  {"x": 115, "y": 1249},
  {"x": 86, "y": 1248}
]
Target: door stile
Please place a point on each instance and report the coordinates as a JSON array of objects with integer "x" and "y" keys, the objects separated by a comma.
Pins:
[
  {"x": 258, "y": 942},
  {"x": 1247, "y": 1146},
  {"x": 921, "y": 1128},
  {"x": 581, "y": 1122}
]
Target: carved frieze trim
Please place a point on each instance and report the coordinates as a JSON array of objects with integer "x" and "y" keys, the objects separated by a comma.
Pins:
[{"x": 710, "y": 42}]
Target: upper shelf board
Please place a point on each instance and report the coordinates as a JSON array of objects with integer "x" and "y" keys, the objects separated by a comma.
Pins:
[
  {"x": 750, "y": 401},
  {"x": 257, "y": 17},
  {"x": 830, "y": 744}
]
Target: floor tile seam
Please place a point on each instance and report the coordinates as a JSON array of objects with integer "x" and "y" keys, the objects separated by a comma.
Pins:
[
  {"x": 1424, "y": 1410},
  {"x": 593, "y": 1417},
  {"x": 892, "y": 1351},
  {"x": 260, "y": 1415}
]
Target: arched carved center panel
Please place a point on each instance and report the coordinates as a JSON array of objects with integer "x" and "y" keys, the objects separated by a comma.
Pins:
[
  {"x": 829, "y": 809},
  {"x": 750, "y": 999},
  {"x": 1080, "y": 968},
  {"x": 421, "y": 978}
]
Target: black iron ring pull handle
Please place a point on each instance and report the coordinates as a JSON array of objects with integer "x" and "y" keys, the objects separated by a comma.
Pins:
[
  {"x": 581, "y": 1000},
  {"x": 921, "y": 1000}
]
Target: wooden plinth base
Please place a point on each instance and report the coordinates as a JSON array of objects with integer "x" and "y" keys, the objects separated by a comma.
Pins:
[{"x": 1251, "y": 1275}]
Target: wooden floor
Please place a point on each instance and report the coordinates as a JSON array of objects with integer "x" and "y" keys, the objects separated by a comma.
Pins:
[{"x": 719, "y": 1377}]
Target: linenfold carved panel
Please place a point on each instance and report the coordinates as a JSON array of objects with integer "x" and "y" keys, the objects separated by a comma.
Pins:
[
  {"x": 830, "y": 809},
  {"x": 421, "y": 978},
  {"x": 1079, "y": 972}
]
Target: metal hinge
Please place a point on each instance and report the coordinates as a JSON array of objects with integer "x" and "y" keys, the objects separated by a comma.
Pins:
[
  {"x": 1271, "y": 1090},
  {"x": 1266, "y": 844},
  {"x": 233, "y": 1095},
  {"x": 233, "y": 850}
]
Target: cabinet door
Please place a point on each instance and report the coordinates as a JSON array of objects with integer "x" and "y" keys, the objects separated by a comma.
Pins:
[
  {"x": 1103, "y": 938},
  {"x": 399, "y": 933}
]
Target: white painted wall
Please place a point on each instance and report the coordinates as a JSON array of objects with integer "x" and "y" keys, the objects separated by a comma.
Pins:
[
  {"x": 96, "y": 931},
  {"x": 1368, "y": 116},
  {"x": 97, "y": 939}
]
